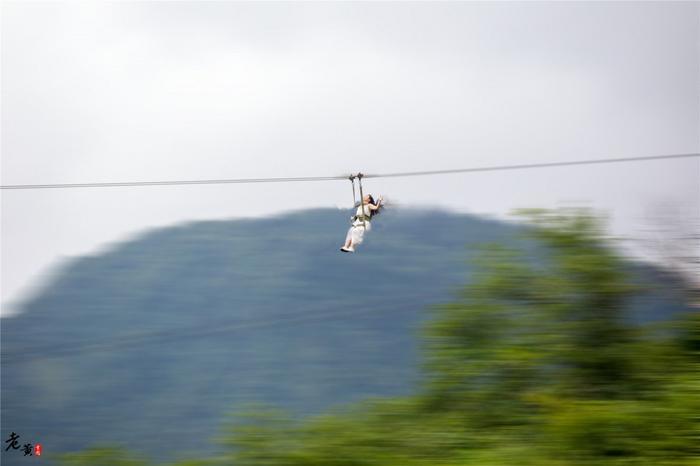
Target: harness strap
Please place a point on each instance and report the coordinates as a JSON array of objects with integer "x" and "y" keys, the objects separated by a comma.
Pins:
[
  {"x": 362, "y": 200},
  {"x": 352, "y": 181}
]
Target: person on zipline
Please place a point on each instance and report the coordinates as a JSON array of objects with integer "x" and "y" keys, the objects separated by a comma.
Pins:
[{"x": 361, "y": 222}]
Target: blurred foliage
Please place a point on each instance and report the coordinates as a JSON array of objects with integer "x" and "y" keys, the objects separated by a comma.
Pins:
[
  {"x": 532, "y": 364},
  {"x": 103, "y": 456}
]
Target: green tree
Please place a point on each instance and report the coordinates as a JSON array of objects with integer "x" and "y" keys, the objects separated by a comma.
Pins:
[{"x": 102, "y": 456}]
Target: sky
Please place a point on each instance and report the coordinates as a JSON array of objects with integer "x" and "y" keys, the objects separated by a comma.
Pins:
[{"x": 138, "y": 91}]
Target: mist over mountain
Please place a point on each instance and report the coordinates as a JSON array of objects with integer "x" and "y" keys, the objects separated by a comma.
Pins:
[{"x": 151, "y": 343}]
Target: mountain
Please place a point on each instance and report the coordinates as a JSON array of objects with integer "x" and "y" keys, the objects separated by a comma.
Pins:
[{"x": 151, "y": 343}]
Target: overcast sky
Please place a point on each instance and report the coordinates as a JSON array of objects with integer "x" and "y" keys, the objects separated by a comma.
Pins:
[{"x": 98, "y": 92}]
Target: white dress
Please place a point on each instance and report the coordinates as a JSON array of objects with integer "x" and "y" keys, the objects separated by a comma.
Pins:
[{"x": 359, "y": 228}]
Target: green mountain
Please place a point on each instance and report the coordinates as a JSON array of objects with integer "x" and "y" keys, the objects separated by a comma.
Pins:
[{"x": 150, "y": 344}]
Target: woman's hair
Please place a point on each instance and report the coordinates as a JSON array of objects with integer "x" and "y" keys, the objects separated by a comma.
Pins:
[{"x": 372, "y": 213}]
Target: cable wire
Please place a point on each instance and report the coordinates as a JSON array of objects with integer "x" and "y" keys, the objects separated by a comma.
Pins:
[
  {"x": 345, "y": 177},
  {"x": 534, "y": 165},
  {"x": 173, "y": 182}
]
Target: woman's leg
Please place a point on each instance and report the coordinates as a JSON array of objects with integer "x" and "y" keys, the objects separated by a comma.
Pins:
[
  {"x": 358, "y": 234},
  {"x": 348, "y": 238}
]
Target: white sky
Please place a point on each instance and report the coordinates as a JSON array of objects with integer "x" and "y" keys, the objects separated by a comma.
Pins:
[{"x": 96, "y": 92}]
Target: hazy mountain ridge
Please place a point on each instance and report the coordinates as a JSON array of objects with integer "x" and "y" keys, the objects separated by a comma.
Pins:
[{"x": 156, "y": 338}]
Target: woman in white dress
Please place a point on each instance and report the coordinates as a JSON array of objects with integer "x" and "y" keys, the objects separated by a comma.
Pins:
[{"x": 360, "y": 223}]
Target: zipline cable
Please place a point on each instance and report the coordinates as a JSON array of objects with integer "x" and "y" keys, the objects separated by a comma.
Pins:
[
  {"x": 344, "y": 177},
  {"x": 534, "y": 165},
  {"x": 172, "y": 183}
]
